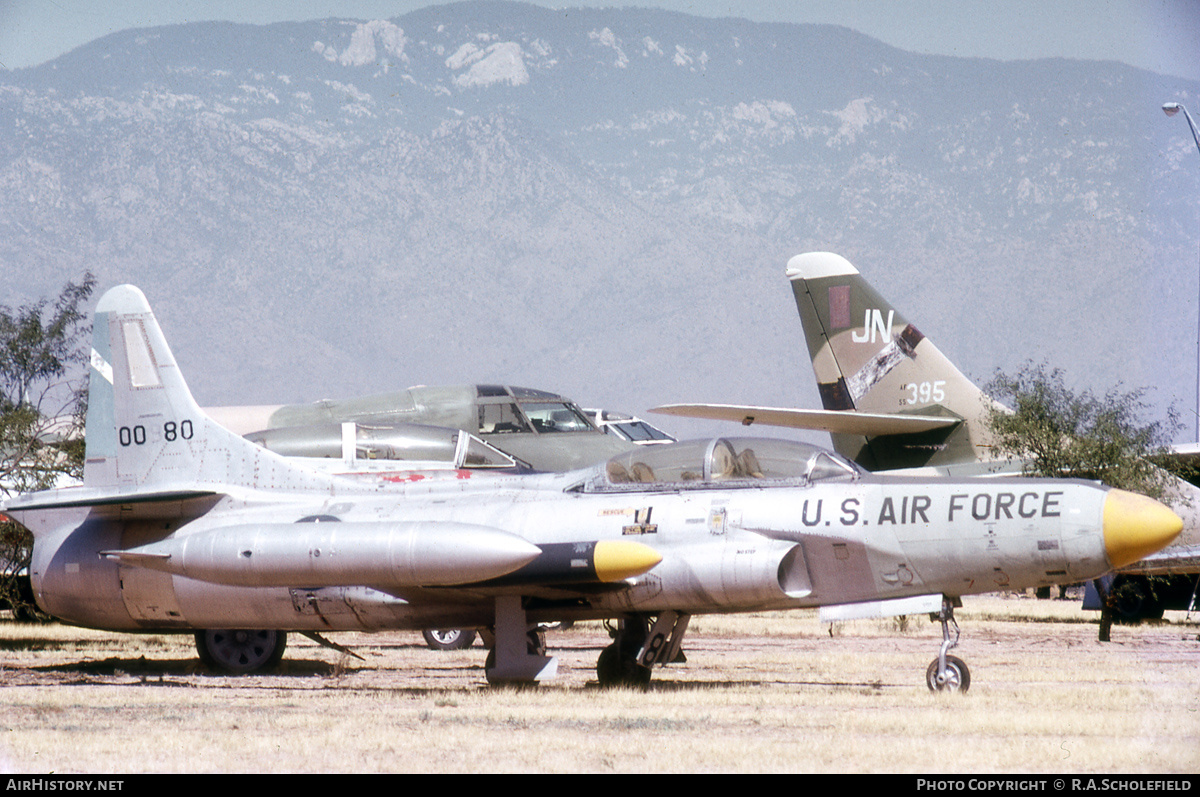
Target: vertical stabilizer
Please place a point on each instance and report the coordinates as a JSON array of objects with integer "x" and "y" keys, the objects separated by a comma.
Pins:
[
  {"x": 144, "y": 429},
  {"x": 868, "y": 357}
]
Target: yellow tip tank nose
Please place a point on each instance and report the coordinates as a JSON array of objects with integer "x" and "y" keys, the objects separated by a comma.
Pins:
[
  {"x": 1136, "y": 526},
  {"x": 617, "y": 560}
]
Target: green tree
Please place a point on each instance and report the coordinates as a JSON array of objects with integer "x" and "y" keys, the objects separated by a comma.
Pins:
[
  {"x": 43, "y": 397},
  {"x": 1057, "y": 432}
]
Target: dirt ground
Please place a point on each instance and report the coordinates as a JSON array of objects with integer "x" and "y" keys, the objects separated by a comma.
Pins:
[{"x": 763, "y": 692}]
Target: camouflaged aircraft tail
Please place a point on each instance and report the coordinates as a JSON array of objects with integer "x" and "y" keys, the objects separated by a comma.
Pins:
[{"x": 868, "y": 358}]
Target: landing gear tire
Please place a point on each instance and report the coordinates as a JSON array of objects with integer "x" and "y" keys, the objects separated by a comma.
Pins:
[
  {"x": 615, "y": 668},
  {"x": 449, "y": 638},
  {"x": 240, "y": 651},
  {"x": 958, "y": 677},
  {"x": 618, "y": 664}
]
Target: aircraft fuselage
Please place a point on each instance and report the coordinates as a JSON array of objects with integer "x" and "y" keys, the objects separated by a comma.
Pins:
[{"x": 723, "y": 550}]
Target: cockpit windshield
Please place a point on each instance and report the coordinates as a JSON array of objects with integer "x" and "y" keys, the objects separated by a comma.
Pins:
[
  {"x": 523, "y": 410},
  {"x": 640, "y": 432},
  {"x": 724, "y": 462},
  {"x": 501, "y": 418},
  {"x": 555, "y": 416}
]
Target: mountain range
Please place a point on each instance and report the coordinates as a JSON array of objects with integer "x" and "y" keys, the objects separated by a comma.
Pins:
[{"x": 599, "y": 202}]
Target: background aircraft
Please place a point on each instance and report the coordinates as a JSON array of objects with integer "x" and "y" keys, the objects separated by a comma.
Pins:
[
  {"x": 181, "y": 525},
  {"x": 879, "y": 377},
  {"x": 544, "y": 430}
]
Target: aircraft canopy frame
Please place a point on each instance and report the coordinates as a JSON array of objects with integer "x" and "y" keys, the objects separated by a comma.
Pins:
[{"x": 722, "y": 462}]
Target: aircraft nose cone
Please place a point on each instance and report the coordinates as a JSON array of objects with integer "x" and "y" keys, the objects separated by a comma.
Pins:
[
  {"x": 1136, "y": 526},
  {"x": 617, "y": 560}
]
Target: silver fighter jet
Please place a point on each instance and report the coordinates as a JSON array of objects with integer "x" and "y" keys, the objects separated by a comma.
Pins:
[
  {"x": 893, "y": 402},
  {"x": 181, "y": 525},
  {"x": 544, "y": 430}
]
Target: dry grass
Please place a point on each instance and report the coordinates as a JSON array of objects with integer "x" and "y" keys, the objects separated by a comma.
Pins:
[{"x": 767, "y": 692}]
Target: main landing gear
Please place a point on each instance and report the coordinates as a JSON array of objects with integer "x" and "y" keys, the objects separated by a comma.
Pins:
[
  {"x": 240, "y": 651},
  {"x": 638, "y": 647},
  {"x": 518, "y": 655},
  {"x": 618, "y": 663},
  {"x": 947, "y": 673}
]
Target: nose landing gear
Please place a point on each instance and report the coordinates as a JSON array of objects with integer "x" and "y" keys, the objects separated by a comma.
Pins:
[{"x": 947, "y": 673}]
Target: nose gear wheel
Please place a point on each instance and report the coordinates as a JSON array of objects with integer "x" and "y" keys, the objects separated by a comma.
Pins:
[
  {"x": 955, "y": 678},
  {"x": 947, "y": 673}
]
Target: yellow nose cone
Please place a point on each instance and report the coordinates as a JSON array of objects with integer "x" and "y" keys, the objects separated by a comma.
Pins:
[
  {"x": 1136, "y": 526},
  {"x": 617, "y": 560}
]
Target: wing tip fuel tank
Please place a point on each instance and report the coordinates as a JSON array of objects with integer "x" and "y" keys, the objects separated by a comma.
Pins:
[
  {"x": 1136, "y": 526},
  {"x": 416, "y": 554}
]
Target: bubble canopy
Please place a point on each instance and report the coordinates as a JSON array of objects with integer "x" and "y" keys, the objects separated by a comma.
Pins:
[{"x": 721, "y": 462}]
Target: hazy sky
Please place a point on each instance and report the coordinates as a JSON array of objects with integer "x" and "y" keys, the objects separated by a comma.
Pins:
[{"x": 1160, "y": 35}]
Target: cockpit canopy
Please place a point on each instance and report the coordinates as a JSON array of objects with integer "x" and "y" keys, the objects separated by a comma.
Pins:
[
  {"x": 404, "y": 442},
  {"x": 505, "y": 410},
  {"x": 723, "y": 462}
]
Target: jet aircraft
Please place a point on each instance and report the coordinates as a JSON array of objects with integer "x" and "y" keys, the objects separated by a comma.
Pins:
[
  {"x": 894, "y": 402},
  {"x": 183, "y": 526},
  {"x": 542, "y": 429},
  {"x": 389, "y": 431}
]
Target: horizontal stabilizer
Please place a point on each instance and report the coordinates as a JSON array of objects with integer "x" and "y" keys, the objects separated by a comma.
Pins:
[
  {"x": 868, "y": 424},
  {"x": 74, "y": 498}
]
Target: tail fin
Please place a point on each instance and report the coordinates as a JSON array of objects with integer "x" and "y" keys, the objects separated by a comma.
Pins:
[
  {"x": 145, "y": 433},
  {"x": 868, "y": 357}
]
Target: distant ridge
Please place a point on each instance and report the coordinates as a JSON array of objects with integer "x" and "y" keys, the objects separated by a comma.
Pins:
[{"x": 598, "y": 202}]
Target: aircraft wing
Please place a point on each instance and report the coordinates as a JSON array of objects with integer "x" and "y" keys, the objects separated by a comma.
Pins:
[
  {"x": 1174, "y": 560},
  {"x": 1185, "y": 455},
  {"x": 868, "y": 424}
]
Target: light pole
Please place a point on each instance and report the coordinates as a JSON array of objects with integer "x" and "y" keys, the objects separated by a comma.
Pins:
[{"x": 1170, "y": 109}]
